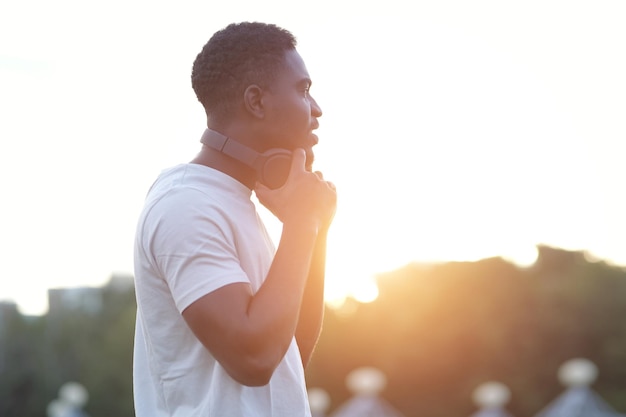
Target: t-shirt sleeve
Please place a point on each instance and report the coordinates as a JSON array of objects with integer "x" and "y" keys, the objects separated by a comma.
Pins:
[{"x": 194, "y": 249}]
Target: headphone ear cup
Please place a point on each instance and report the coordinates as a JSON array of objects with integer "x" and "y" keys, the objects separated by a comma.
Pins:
[{"x": 275, "y": 169}]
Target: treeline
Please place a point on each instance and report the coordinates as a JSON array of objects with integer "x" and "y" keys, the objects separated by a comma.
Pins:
[
  {"x": 439, "y": 331},
  {"x": 436, "y": 331}
]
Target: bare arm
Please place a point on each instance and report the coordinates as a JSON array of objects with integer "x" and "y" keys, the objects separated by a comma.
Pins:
[
  {"x": 250, "y": 333},
  {"x": 312, "y": 309}
]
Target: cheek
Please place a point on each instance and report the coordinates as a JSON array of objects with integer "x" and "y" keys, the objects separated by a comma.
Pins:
[
  {"x": 297, "y": 116},
  {"x": 301, "y": 113},
  {"x": 291, "y": 122}
]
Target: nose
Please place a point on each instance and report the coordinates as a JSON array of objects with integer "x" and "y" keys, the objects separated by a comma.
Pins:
[{"x": 316, "y": 110}]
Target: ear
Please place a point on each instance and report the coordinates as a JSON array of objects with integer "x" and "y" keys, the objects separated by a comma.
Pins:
[{"x": 253, "y": 101}]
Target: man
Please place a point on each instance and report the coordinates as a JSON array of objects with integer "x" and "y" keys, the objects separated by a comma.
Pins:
[{"x": 225, "y": 323}]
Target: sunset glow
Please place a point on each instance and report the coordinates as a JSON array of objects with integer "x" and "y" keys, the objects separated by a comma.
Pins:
[{"x": 452, "y": 131}]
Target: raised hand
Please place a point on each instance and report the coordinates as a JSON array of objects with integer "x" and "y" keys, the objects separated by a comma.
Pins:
[{"x": 305, "y": 198}]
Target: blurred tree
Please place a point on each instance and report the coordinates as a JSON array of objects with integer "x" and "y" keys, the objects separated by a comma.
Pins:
[
  {"x": 436, "y": 331},
  {"x": 20, "y": 339},
  {"x": 76, "y": 341},
  {"x": 108, "y": 356},
  {"x": 439, "y": 331}
]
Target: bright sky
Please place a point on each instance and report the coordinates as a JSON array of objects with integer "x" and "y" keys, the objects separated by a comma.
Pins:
[{"x": 453, "y": 130}]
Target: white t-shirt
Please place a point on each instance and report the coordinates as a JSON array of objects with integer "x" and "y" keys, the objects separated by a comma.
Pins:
[{"x": 199, "y": 231}]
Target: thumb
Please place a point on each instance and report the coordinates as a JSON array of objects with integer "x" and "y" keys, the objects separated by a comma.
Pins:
[{"x": 298, "y": 159}]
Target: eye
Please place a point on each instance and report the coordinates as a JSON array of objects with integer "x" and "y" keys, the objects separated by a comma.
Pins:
[{"x": 305, "y": 88}]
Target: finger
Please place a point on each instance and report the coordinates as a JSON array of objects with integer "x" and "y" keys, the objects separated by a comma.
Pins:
[
  {"x": 331, "y": 185},
  {"x": 260, "y": 189},
  {"x": 298, "y": 159},
  {"x": 319, "y": 175}
]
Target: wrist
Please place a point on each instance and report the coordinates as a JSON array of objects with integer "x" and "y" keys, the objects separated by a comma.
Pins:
[{"x": 307, "y": 227}]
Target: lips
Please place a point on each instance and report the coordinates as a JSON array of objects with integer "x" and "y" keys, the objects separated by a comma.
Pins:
[
  {"x": 315, "y": 126},
  {"x": 310, "y": 156}
]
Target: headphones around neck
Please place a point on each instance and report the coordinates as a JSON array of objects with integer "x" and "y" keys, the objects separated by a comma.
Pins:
[{"x": 272, "y": 166}]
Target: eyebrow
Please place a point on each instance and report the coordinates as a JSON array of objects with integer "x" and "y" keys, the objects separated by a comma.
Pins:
[{"x": 305, "y": 81}]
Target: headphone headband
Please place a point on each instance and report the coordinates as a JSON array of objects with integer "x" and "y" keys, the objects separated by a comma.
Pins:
[
  {"x": 272, "y": 166},
  {"x": 230, "y": 147}
]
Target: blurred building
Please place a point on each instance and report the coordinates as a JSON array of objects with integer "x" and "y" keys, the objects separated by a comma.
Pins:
[
  {"x": 121, "y": 282},
  {"x": 8, "y": 314},
  {"x": 87, "y": 300},
  {"x": 78, "y": 299}
]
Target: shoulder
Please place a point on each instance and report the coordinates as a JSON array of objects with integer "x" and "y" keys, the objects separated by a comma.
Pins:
[
  {"x": 191, "y": 200},
  {"x": 189, "y": 189}
]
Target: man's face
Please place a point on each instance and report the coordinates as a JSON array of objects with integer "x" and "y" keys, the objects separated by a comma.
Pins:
[{"x": 291, "y": 111}]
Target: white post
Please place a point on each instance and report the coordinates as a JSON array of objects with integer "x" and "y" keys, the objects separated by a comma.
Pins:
[
  {"x": 72, "y": 398},
  {"x": 578, "y": 399},
  {"x": 319, "y": 400},
  {"x": 491, "y": 397},
  {"x": 366, "y": 384}
]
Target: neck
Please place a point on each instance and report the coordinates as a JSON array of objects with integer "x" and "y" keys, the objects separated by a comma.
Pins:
[{"x": 229, "y": 166}]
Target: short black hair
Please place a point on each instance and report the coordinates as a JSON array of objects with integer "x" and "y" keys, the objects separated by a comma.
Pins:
[{"x": 235, "y": 57}]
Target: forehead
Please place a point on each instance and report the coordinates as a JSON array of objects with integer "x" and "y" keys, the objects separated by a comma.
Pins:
[{"x": 294, "y": 68}]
